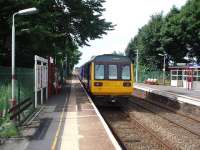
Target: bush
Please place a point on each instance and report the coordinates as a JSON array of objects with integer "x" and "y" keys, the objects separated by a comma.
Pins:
[
  {"x": 7, "y": 128},
  {"x": 4, "y": 97}
]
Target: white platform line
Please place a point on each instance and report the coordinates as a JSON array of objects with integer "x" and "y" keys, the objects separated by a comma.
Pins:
[
  {"x": 108, "y": 131},
  {"x": 70, "y": 134}
]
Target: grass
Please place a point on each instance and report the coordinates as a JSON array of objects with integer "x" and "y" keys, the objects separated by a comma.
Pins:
[
  {"x": 5, "y": 94},
  {"x": 7, "y": 128},
  {"x": 24, "y": 89}
]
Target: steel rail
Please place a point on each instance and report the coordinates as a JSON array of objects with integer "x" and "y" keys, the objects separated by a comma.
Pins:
[
  {"x": 170, "y": 109},
  {"x": 187, "y": 129},
  {"x": 163, "y": 143}
]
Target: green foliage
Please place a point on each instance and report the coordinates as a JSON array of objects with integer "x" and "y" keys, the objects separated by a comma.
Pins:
[
  {"x": 173, "y": 36},
  {"x": 148, "y": 42},
  {"x": 190, "y": 20},
  {"x": 24, "y": 86},
  {"x": 177, "y": 34},
  {"x": 58, "y": 25},
  {"x": 4, "y": 97},
  {"x": 118, "y": 53},
  {"x": 7, "y": 128}
]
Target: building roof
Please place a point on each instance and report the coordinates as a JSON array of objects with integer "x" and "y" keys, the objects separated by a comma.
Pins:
[{"x": 189, "y": 66}]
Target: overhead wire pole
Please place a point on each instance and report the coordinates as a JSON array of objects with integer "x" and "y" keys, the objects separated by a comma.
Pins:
[
  {"x": 136, "y": 76},
  {"x": 164, "y": 65}
]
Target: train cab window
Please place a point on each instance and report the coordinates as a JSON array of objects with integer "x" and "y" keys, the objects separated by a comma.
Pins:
[
  {"x": 99, "y": 72},
  {"x": 112, "y": 69},
  {"x": 126, "y": 72}
]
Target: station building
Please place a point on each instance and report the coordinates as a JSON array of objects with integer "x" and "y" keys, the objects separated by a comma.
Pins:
[{"x": 186, "y": 76}]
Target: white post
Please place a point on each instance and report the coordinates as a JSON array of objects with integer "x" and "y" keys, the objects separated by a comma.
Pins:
[
  {"x": 21, "y": 12},
  {"x": 36, "y": 79},
  {"x": 136, "y": 76},
  {"x": 41, "y": 78},
  {"x": 164, "y": 69},
  {"x": 13, "y": 101},
  {"x": 46, "y": 81}
]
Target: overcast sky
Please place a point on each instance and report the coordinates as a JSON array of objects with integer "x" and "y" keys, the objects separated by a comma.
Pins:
[{"x": 129, "y": 16}]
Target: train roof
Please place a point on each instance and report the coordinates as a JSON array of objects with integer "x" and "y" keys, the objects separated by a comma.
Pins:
[{"x": 110, "y": 58}]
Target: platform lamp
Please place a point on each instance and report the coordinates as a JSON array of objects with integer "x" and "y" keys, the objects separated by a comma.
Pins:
[
  {"x": 20, "y": 12},
  {"x": 164, "y": 66}
]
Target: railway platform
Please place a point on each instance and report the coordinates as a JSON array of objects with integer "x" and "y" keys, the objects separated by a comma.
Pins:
[
  {"x": 84, "y": 127},
  {"x": 68, "y": 121},
  {"x": 174, "y": 93}
]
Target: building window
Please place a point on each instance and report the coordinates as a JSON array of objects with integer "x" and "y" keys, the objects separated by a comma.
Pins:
[{"x": 99, "y": 72}]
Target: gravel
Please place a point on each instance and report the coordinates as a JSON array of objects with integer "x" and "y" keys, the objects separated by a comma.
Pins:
[
  {"x": 169, "y": 132},
  {"x": 130, "y": 134}
]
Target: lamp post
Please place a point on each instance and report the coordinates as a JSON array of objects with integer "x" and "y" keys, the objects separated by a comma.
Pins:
[
  {"x": 21, "y": 12},
  {"x": 137, "y": 57},
  {"x": 164, "y": 65}
]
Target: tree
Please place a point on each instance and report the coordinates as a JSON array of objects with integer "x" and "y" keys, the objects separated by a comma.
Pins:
[
  {"x": 173, "y": 36},
  {"x": 148, "y": 42},
  {"x": 177, "y": 34},
  {"x": 131, "y": 49},
  {"x": 58, "y": 24},
  {"x": 190, "y": 20},
  {"x": 118, "y": 53}
]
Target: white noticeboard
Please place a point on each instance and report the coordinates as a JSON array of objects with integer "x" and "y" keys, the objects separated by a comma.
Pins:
[{"x": 41, "y": 78}]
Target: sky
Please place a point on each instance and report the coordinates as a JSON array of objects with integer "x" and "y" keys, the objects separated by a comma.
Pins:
[{"x": 128, "y": 16}]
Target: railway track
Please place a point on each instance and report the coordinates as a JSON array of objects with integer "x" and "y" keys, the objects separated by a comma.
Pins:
[
  {"x": 131, "y": 132},
  {"x": 188, "y": 123}
]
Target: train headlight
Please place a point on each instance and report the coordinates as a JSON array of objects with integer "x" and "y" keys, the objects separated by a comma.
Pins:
[
  {"x": 127, "y": 84},
  {"x": 98, "y": 84}
]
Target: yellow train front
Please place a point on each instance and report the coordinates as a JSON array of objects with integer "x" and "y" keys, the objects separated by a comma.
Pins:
[{"x": 108, "y": 75}]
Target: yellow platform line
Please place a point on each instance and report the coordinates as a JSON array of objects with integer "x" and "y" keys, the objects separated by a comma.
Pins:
[{"x": 55, "y": 140}]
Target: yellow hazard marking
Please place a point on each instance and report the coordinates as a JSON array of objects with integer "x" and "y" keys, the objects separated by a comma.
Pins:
[{"x": 53, "y": 146}]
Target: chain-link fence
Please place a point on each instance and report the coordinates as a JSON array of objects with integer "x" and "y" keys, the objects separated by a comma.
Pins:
[{"x": 24, "y": 89}]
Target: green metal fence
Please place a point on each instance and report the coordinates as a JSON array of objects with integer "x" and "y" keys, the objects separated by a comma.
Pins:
[
  {"x": 5, "y": 89},
  {"x": 144, "y": 75},
  {"x": 24, "y": 88}
]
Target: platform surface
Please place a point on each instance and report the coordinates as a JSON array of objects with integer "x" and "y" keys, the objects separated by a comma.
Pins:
[
  {"x": 70, "y": 121},
  {"x": 182, "y": 94},
  {"x": 83, "y": 129}
]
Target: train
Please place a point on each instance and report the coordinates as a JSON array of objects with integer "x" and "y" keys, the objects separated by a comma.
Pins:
[{"x": 108, "y": 76}]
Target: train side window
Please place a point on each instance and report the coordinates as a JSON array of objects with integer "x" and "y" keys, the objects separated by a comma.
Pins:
[
  {"x": 112, "y": 69},
  {"x": 126, "y": 72},
  {"x": 99, "y": 72}
]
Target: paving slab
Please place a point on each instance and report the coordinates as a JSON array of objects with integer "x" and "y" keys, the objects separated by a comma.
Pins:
[{"x": 83, "y": 128}]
